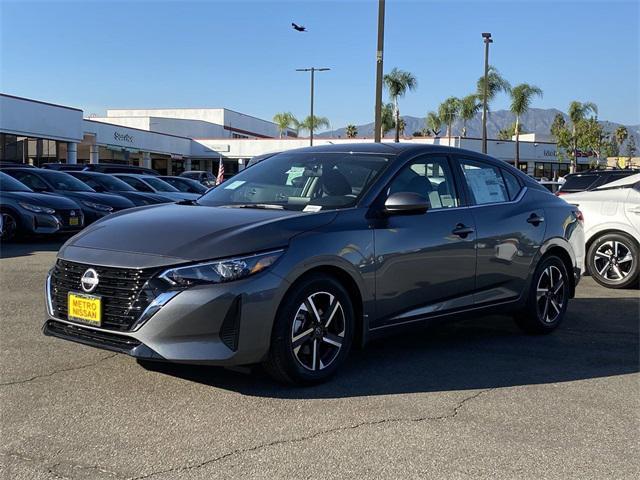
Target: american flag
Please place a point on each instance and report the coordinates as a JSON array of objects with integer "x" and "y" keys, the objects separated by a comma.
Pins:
[{"x": 220, "y": 177}]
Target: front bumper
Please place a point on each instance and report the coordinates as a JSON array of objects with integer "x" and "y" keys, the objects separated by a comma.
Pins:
[
  {"x": 45, "y": 223},
  {"x": 224, "y": 324}
]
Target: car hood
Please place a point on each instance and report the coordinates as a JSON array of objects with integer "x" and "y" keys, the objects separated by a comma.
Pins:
[
  {"x": 112, "y": 200},
  {"x": 42, "y": 199},
  {"x": 143, "y": 198},
  {"x": 179, "y": 196},
  {"x": 172, "y": 233}
]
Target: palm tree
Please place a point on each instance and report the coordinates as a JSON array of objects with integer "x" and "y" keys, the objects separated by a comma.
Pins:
[
  {"x": 398, "y": 82},
  {"x": 317, "y": 122},
  {"x": 621, "y": 134},
  {"x": 434, "y": 122},
  {"x": 351, "y": 131},
  {"x": 284, "y": 120},
  {"x": 521, "y": 98},
  {"x": 387, "y": 122},
  {"x": 448, "y": 111},
  {"x": 495, "y": 84},
  {"x": 578, "y": 112},
  {"x": 469, "y": 106}
]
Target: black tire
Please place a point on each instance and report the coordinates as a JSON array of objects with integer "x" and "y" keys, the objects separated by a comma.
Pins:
[
  {"x": 613, "y": 260},
  {"x": 547, "y": 301},
  {"x": 10, "y": 226},
  {"x": 304, "y": 363}
]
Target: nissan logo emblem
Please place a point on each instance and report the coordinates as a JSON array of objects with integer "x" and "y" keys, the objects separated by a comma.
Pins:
[{"x": 89, "y": 280}]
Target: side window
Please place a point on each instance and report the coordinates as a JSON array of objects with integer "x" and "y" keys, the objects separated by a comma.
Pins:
[
  {"x": 32, "y": 181},
  {"x": 512, "y": 183},
  {"x": 485, "y": 182},
  {"x": 430, "y": 177}
]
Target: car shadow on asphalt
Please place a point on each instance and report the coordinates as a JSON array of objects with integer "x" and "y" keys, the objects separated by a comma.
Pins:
[
  {"x": 23, "y": 248},
  {"x": 599, "y": 338}
]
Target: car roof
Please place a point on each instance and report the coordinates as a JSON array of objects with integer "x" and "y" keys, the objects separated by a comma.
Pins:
[{"x": 622, "y": 182}]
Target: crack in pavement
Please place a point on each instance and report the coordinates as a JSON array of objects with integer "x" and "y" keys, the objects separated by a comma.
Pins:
[
  {"x": 52, "y": 468},
  {"x": 55, "y": 372},
  {"x": 240, "y": 451}
]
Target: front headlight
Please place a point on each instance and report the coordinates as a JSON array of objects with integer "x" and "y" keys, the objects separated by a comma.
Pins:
[
  {"x": 98, "y": 206},
  {"x": 220, "y": 271},
  {"x": 37, "y": 208}
]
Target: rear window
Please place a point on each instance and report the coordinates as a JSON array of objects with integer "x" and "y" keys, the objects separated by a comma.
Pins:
[
  {"x": 579, "y": 182},
  {"x": 512, "y": 184}
]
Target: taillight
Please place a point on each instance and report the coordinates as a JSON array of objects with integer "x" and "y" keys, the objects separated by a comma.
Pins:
[{"x": 579, "y": 216}]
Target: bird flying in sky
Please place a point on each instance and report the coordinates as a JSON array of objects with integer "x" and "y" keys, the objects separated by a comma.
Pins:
[{"x": 298, "y": 28}]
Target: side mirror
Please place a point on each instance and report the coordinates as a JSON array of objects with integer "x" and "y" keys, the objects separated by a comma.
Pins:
[{"x": 405, "y": 202}]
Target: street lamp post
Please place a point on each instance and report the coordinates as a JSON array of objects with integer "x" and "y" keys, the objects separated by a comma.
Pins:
[
  {"x": 313, "y": 70},
  {"x": 377, "y": 134},
  {"x": 485, "y": 93}
]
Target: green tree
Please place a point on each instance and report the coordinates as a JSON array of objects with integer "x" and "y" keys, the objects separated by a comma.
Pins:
[
  {"x": 578, "y": 111},
  {"x": 433, "y": 123},
  {"x": 561, "y": 135},
  {"x": 387, "y": 122},
  {"x": 397, "y": 83},
  {"x": 448, "y": 111},
  {"x": 314, "y": 123},
  {"x": 351, "y": 131},
  {"x": 469, "y": 106},
  {"x": 510, "y": 131},
  {"x": 496, "y": 84},
  {"x": 521, "y": 97},
  {"x": 285, "y": 120},
  {"x": 401, "y": 125},
  {"x": 590, "y": 135},
  {"x": 621, "y": 134}
]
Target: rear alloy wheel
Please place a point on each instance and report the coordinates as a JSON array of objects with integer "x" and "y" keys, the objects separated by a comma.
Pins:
[
  {"x": 613, "y": 260},
  {"x": 9, "y": 228},
  {"x": 312, "y": 333},
  {"x": 548, "y": 297}
]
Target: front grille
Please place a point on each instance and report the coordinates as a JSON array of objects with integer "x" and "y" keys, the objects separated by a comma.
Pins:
[
  {"x": 107, "y": 340},
  {"x": 123, "y": 292}
]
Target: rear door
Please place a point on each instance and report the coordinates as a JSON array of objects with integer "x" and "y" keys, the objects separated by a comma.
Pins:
[{"x": 509, "y": 229}]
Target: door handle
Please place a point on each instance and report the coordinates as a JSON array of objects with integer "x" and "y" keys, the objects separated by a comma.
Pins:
[
  {"x": 535, "y": 220},
  {"x": 462, "y": 230}
]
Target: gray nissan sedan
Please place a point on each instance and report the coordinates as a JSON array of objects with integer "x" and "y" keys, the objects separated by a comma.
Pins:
[{"x": 297, "y": 259}]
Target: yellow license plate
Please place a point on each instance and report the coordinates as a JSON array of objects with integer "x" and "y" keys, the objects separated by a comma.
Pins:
[
  {"x": 73, "y": 221},
  {"x": 85, "y": 309}
]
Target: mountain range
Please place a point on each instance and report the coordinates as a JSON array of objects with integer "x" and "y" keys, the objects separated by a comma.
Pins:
[{"x": 536, "y": 120}]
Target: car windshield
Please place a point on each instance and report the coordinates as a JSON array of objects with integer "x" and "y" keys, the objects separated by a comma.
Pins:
[
  {"x": 10, "y": 184},
  {"x": 300, "y": 181},
  {"x": 65, "y": 182},
  {"x": 109, "y": 183},
  {"x": 195, "y": 175},
  {"x": 160, "y": 185}
]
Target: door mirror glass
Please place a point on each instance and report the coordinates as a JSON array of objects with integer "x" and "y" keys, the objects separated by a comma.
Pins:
[{"x": 406, "y": 202}]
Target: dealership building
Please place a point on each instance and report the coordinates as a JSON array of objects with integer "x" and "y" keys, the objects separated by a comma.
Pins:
[{"x": 175, "y": 140}]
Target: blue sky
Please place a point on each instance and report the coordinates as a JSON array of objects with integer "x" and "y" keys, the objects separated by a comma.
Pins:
[{"x": 243, "y": 55}]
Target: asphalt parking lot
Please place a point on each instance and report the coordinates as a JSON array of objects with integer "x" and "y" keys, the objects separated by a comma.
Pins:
[{"x": 472, "y": 399}]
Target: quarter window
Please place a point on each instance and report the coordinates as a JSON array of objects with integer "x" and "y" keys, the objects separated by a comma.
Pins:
[
  {"x": 485, "y": 182},
  {"x": 512, "y": 184},
  {"x": 430, "y": 177}
]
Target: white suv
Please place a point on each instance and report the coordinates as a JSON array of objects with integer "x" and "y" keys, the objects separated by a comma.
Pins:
[{"x": 612, "y": 231}]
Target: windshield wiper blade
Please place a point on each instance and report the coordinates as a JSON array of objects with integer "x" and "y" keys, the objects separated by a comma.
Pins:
[{"x": 264, "y": 206}]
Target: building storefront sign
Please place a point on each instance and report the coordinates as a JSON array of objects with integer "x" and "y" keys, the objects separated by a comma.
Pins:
[{"x": 123, "y": 137}]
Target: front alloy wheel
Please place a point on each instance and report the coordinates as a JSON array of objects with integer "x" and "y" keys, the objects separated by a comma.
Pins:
[
  {"x": 317, "y": 332},
  {"x": 312, "y": 332},
  {"x": 8, "y": 226},
  {"x": 613, "y": 260},
  {"x": 550, "y": 294}
]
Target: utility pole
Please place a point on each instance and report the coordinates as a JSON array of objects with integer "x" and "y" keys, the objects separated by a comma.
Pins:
[
  {"x": 379, "y": 73},
  {"x": 313, "y": 70},
  {"x": 485, "y": 93}
]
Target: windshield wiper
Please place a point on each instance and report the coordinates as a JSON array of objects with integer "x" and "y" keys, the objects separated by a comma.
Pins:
[{"x": 264, "y": 206}]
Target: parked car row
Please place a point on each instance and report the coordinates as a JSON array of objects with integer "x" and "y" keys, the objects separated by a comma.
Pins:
[{"x": 61, "y": 199}]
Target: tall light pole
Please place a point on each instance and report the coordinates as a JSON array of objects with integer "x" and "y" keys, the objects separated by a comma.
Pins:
[
  {"x": 487, "y": 40},
  {"x": 313, "y": 70},
  {"x": 377, "y": 134}
]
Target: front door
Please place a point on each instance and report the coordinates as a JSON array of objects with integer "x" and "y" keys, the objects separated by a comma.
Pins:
[{"x": 425, "y": 263}]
